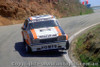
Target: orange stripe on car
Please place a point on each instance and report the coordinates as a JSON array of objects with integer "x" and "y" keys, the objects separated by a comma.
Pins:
[
  {"x": 27, "y": 42},
  {"x": 34, "y": 34},
  {"x": 58, "y": 30}
]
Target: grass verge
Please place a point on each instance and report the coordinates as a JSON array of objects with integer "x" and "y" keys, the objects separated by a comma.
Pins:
[{"x": 87, "y": 48}]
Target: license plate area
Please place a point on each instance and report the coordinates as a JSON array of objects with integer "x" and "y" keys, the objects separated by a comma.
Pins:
[{"x": 52, "y": 46}]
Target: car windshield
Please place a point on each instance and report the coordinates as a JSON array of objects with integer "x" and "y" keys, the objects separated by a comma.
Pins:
[{"x": 42, "y": 24}]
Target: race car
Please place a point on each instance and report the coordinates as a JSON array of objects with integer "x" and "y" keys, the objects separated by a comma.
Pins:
[{"x": 43, "y": 32}]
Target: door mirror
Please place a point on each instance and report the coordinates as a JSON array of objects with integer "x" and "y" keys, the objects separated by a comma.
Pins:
[{"x": 22, "y": 28}]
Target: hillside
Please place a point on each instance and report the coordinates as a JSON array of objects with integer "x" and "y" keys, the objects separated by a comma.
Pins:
[{"x": 12, "y": 11}]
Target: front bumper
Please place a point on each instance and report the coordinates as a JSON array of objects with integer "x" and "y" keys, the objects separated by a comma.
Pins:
[{"x": 49, "y": 46}]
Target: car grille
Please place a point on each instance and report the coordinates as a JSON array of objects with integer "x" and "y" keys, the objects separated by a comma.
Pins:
[{"x": 48, "y": 40}]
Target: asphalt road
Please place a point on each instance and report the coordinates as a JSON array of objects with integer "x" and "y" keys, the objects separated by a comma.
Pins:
[{"x": 12, "y": 51}]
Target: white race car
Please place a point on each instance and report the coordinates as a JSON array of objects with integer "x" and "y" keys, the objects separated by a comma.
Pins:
[{"x": 44, "y": 33}]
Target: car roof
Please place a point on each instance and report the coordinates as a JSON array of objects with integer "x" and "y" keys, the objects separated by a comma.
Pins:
[{"x": 41, "y": 18}]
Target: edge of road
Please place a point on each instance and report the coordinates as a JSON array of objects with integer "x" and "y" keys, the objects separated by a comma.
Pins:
[{"x": 66, "y": 56}]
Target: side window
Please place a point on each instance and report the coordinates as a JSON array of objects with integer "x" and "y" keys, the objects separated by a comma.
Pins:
[{"x": 25, "y": 23}]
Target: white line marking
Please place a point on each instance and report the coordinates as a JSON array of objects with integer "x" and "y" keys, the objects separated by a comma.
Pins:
[{"x": 66, "y": 56}]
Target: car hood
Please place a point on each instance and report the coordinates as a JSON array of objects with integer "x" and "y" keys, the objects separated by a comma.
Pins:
[{"x": 43, "y": 33}]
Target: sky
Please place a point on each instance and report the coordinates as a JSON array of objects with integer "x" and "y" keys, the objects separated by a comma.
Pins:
[{"x": 93, "y": 2}]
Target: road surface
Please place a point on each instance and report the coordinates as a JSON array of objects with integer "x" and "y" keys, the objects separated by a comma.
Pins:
[{"x": 12, "y": 51}]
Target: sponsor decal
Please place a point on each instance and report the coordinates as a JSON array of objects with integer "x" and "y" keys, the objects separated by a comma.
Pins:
[
  {"x": 47, "y": 36},
  {"x": 38, "y": 20}
]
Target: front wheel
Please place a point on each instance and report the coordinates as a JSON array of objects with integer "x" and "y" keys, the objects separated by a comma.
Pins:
[
  {"x": 67, "y": 45},
  {"x": 24, "y": 41},
  {"x": 28, "y": 49}
]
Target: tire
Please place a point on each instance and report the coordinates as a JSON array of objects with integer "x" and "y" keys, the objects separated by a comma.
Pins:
[
  {"x": 67, "y": 45},
  {"x": 28, "y": 49},
  {"x": 24, "y": 41}
]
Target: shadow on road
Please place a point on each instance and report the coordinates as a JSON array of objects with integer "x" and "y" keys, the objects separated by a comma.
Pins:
[{"x": 20, "y": 47}]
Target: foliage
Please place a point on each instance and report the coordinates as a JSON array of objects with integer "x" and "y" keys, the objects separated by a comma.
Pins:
[{"x": 88, "y": 47}]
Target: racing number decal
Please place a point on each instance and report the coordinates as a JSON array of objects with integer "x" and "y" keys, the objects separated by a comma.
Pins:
[
  {"x": 34, "y": 34},
  {"x": 27, "y": 38},
  {"x": 58, "y": 30}
]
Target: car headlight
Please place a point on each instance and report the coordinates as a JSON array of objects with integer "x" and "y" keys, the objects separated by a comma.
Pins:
[{"x": 60, "y": 38}]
